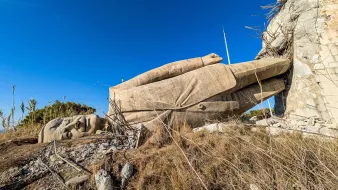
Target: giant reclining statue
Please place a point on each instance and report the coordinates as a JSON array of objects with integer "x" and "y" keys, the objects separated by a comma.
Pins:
[
  {"x": 190, "y": 91},
  {"x": 196, "y": 90}
]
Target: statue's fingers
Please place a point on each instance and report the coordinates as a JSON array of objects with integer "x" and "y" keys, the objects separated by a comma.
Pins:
[{"x": 211, "y": 59}]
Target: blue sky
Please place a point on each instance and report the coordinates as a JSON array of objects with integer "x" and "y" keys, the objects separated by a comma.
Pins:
[{"x": 55, "y": 48}]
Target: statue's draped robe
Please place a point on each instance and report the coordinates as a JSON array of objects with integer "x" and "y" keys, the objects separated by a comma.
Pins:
[{"x": 197, "y": 89}]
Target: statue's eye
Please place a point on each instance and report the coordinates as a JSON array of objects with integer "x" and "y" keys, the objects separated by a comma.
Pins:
[{"x": 69, "y": 135}]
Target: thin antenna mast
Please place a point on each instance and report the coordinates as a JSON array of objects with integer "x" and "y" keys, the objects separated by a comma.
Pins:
[{"x": 226, "y": 46}]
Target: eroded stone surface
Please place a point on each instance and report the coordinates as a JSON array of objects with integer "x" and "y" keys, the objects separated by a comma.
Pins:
[{"x": 311, "y": 27}]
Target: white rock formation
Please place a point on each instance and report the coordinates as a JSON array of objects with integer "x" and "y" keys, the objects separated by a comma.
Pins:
[{"x": 311, "y": 27}]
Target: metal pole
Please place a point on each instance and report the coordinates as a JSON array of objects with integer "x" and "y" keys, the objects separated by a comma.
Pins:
[{"x": 226, "y": 46}]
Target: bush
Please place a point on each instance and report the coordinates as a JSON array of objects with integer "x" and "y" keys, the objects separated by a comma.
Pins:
[
  {"x": 258, "y": 113},
  {"x": 58, "y": 109}
]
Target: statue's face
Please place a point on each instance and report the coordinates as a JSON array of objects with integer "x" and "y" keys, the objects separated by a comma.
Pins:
[
  {"x": 75, "y": 129},
  {"x": 81, "y": 125},
  {"x": 70, "y": 127}
]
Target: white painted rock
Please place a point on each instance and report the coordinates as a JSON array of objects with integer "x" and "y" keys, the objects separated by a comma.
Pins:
[{"x": 262, "y": 122}]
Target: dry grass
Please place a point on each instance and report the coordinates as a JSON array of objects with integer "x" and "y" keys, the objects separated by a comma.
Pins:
[
  {"x": 21, "y": 132},
  {"x": 274, "y": 9},
  {"x": 236, "y": 159}
]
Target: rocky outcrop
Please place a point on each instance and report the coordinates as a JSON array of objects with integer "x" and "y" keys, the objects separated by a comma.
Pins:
[{"x": 307, "y": 31}]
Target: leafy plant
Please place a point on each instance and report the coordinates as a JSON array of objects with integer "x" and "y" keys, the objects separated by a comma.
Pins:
[
  {"x": 22, "y": 106},
  {"x": 58, "y": 109},
  {"x": 258, "y": 113}
]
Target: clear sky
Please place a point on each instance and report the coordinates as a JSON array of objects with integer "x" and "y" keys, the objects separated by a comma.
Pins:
[{"x": 55, "y": 48}]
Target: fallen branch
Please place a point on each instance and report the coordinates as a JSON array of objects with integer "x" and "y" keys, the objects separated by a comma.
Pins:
[
  {"x": 65, "y": 160},
  {"x": 53, "y": 173}
]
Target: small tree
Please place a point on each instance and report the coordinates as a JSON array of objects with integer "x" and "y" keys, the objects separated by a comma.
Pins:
[
  {"x": 22, "y": 106},
  {"x": 3, "y": 121},
  {"x": 31, "y": 108},
  {"x": 8, "y": 121},
  {"x": 13, "y": 106}
]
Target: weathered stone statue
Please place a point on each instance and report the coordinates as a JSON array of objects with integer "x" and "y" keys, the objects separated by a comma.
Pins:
[
  {"x": 70, "y": 127},
  {"x": 196, "y": 90}
]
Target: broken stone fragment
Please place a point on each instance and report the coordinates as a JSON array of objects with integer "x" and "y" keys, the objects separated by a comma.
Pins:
[
  {"x": 275, "y": 130},
  {"x": 277, "y": 125},
  {"x": 77, "y": 180},
  {"x": 254, "y": 187},
  {"x": 253, "y": 119},
  {"x": 262, "y": 122},
  {"x": 103, "y": 180},
  {"x": 215, "y": 127},
  {"x": 126, "y": 173},
  {"x": 327, "y": 131},
  {"x": 111, "y": 150},
  {"x": 311, "y": 121}
]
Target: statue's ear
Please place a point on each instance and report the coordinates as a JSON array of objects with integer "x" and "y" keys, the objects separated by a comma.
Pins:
[{"x": 77, "y": 125}]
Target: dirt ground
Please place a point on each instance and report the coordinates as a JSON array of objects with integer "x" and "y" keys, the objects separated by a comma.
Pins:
[{"x": 18, "y": 152}]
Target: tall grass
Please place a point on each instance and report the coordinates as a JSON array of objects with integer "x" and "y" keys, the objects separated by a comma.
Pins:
[{"x": 237, "y": 159}]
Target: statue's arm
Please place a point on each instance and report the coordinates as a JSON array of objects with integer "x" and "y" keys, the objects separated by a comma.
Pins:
[
  {"x": 72, "y": 124},
  {"x": 170, "y": 70}
]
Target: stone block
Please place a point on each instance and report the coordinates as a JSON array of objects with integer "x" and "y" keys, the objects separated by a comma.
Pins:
[
  {"x": 262, "y": 122},
  {"x": 333, "y": 64},
  {"x": 330, "y": 70},
  {"x": 312, "y": 129},
  {"x": 325, "y": 50},
  {"x": 275, "y": 131},
  {"x": 319, "y": 67},
  {"x": 321, "y": 107},
  {"x": 322, "y": 78},
  {"x": 333, "y": 49},
  {"x": 329, "y": 88},
  {"x": 215, "y": 127},
  {"x": 329, "y": 132},
  {"x": 77, "y": 180}
]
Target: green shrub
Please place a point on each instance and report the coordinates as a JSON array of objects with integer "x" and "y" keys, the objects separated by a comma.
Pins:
[{"x": 56, "y": 110}]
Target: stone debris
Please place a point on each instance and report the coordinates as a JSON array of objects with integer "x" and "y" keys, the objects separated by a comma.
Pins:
[
  {"x": 77, "y": 180},
  {"x": 103, "y": 180},
  {"x": 253, "y": 119},
  {"x": 126, "y": 173},
  {"x": 254, "y": 187},
  {"x": 18, "y": 177},
  {"x": 262, "y": 122},
  {"x": 276, "y": 126},
  {"x": 306, "y": 126},
  {"x": 82, "y": 156},
  {"x": 215, "y": 127}
]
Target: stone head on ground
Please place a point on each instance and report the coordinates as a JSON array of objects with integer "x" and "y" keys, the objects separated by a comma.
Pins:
[{"x": 70, "y": 127}]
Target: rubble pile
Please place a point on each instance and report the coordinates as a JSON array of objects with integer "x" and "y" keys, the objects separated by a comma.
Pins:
[
  {"x": 306, "y": 126},
  {"x": 312, "y": 126},
  {"x": 63, "y": 166}
]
